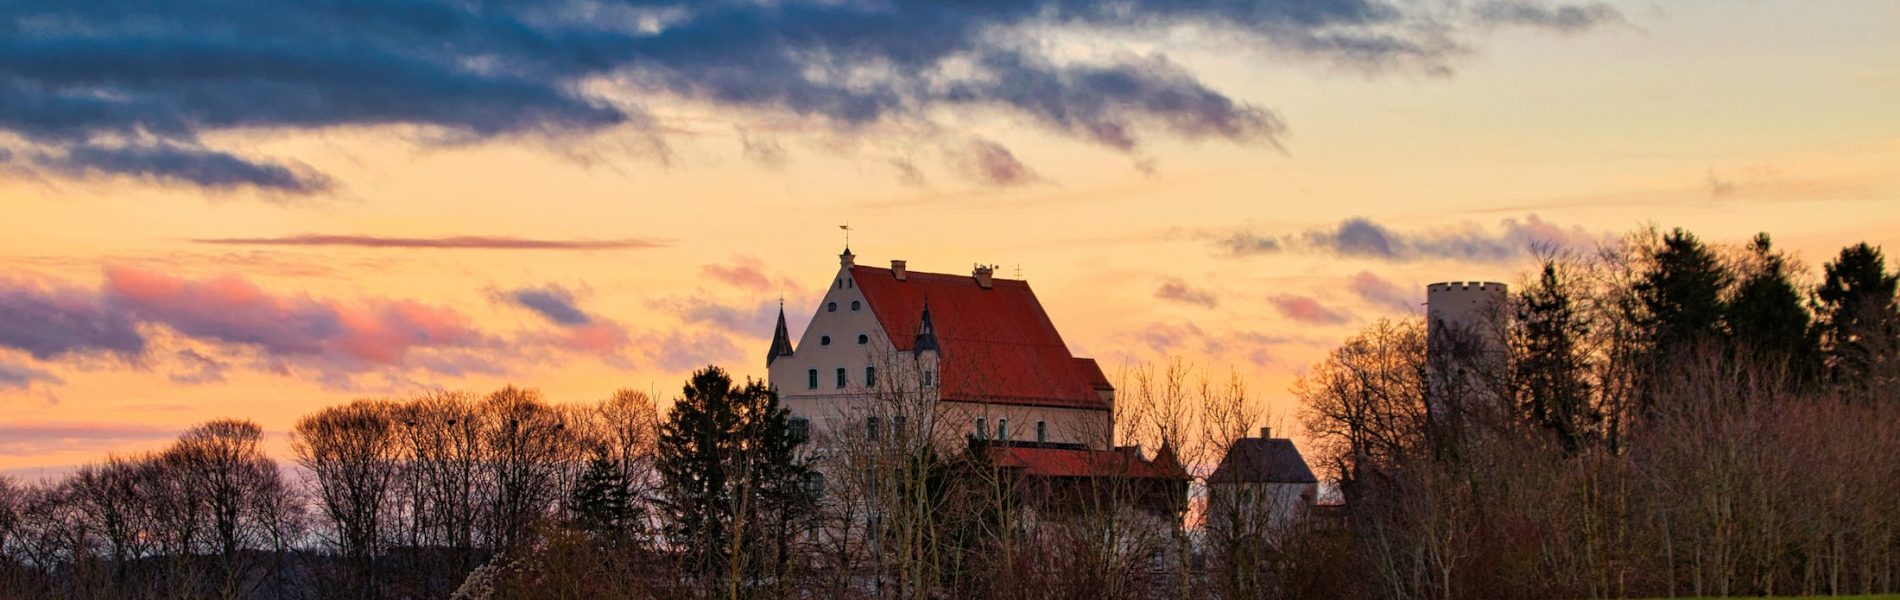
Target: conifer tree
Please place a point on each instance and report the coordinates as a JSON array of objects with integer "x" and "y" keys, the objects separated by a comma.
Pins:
[
  {"x": 603, "y": 500},
  {"x": 1766, "y": 318},
  {"x": 1860, "y": 325},
  {"x": 1679, "y": 302},
  {"x": 1551, "y": 370}
]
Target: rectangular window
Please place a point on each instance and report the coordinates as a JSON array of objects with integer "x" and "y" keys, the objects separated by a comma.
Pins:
[
  {"x": 870, "y": 376},
  {"x": 982, "y": 431},
  {"x": 1002, "y": 429},
  {"x": 870, "y": 428},
  {"x": 811, "y": 379},
  {"x": 930, "y": 379},
  {"x": 841, "y": 379},
  {"x": 800, "y": 429},
  {"x": 1042, "y": 431}
]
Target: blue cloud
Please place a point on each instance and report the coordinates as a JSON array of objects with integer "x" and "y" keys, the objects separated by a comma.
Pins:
[
  {"x": 553, "y": 303},
  {"x": 129, "y": 87}
]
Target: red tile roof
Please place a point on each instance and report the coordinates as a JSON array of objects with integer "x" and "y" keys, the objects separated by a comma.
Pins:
[
  {"x": 998, "y": 345},
  {"x": 1120, "y": 462}
]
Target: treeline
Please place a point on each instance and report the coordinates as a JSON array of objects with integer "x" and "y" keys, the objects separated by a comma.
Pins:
[{"x": 1661, "y": 418}]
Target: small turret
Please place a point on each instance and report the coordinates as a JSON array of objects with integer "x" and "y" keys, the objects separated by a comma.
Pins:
[
  {"x": 926, "y": 333},
  {"x": 781, "y": 339}
]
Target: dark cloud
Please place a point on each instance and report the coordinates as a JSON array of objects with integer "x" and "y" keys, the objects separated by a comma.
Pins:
[
  {"x": 129, "y": 87},
  {"x": 464, "y": 242},
  {"x": 1175, "y": 289},
  {"x": 180, "y": 164},
  {"x": 1364, "y": 238},
  {"x": 197, "y": 368},
  {"x": 20, "y": 377},
  {"x": 552, "y": 302},
  {"x": 1565, "y": 18},
  {"x": 1378, "y": 291},
  {"x": 1307, "y": 310},
  {"x": 992, "y": 164},
  {"x": 52, "y": 323}
]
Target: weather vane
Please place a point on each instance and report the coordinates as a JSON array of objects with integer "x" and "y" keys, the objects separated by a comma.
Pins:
[{"x": 847, "y": 234}]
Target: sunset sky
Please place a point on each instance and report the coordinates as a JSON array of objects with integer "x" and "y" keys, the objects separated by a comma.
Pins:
[{"x": 247, "y": 209}]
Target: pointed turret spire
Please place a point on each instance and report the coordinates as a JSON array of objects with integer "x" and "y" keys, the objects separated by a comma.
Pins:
[
  {"x": 926, "y": 333},
  {"x": 781, "y": 339}
]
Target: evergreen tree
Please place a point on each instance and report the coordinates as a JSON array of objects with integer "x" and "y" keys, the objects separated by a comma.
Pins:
[
  {"x": 1551, "y": 370},
  {"x": 1766, "y": 318},
  {"x": 1679, "y": 297},
  {"x": 1859, "y": 323},
  {"x": 603, "y": 501},
  {"x": 730, "y": 475}
]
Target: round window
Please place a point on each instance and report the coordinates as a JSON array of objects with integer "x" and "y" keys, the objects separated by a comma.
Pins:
[
  {"x": 855, "y": 305},
  {"x": 863, "y": 339},
  {"x": 824, "y": 340},
  {"x": 831, "y": 307}
]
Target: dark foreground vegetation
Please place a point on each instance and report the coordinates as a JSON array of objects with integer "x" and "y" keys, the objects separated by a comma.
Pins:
[{"x": 1661, "y": 418}]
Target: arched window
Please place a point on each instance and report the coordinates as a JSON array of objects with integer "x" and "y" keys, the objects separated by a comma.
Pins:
[
  {"x": 982, "y": 431},
  {"x": 1002, "y": 429}
]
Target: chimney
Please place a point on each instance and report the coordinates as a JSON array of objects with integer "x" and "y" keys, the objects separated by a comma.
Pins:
[
  {"x": 1266, "y": 433},
  {"x": 897, "y": 268},
  {"x": 982, "y": 275}
]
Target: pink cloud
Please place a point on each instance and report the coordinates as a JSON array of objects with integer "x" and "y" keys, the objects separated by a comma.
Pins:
[
  {"x": 233, "y": 310},
  {"x": 1377, "y": 290},
  {"x": 1307, "y": 310},
  {"x": 744, "y": 272}
]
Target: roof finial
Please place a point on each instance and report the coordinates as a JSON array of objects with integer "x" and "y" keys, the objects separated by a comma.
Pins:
[{"x": 847, "y": 235}]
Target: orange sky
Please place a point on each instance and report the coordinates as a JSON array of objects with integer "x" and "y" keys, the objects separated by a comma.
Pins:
[{"x": 1724, "y": 117}]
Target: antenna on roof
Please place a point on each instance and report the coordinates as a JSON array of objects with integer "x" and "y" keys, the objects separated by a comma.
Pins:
[{"x": 1019, "y": 270}]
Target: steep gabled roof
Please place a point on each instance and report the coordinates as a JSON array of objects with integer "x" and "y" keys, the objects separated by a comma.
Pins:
[
  {"x": 781, "y": 339},
  {"x": 1262, "y": 460},
  {"x": 997, "y": 344}
]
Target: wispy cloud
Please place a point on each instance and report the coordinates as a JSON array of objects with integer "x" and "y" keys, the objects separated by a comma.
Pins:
[
  {"x": 1175, "y": 289},
  {"x": 1382, "y": 293},
  {"x": 553, "y": 302},
  {"x": 466, "y": 242},
  {"x": 1307, "y": 310},
  {"x": 20, "y": 377},
  {"x": 1361, "y": 237},
  {"x": 32, "y": 438}
]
